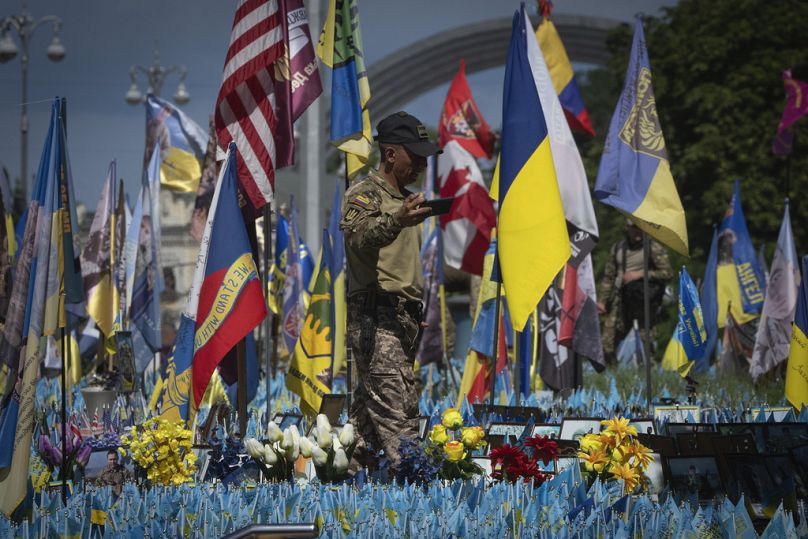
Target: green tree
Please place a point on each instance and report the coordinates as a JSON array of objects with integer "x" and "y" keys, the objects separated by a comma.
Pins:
[{"x": 717, "y": 79}]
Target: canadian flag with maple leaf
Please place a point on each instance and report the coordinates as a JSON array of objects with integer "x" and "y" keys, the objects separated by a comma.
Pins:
[{"x": 464, "y": 134}]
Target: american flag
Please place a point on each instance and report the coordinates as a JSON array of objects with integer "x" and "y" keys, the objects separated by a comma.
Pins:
[{"x": 245, "y": 108}]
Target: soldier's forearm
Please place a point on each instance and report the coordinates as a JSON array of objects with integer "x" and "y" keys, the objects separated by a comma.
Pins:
[{"x": 379, "y": 232}]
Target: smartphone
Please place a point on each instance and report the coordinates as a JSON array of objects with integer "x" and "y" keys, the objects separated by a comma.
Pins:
[{"x": 439, "y": 206}]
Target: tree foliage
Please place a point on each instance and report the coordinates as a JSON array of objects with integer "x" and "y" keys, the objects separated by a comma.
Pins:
[{"x": 716, "y": 69}]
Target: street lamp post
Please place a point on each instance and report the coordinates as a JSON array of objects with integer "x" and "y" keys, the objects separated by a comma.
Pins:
[
  {"x": 24, "y": 24},
  {"x": 156, "y": 76}
]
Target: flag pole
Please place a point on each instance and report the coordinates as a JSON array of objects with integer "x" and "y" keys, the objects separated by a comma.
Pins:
[
  {"x": 268, "y": 340},
  {"x": 348, "y": 354},
  {"x": 646, "y": 255},
  {"x": 241, "y": 365},
  {"x": 516, "y": 370},
  {"x": 496, "y": 344},
  {"x": 64, "y": 412}
]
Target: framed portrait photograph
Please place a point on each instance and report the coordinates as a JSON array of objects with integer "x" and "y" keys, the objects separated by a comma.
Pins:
[
  {"x": 783, "y": 471},
  {"x": 749, "y": 476},
  {"x": 551, "y": 430},
  {"x": 676, "y": 414},
  {"x": 734, "y": 443},
  {"x": 800, "y": 456},
  {"x": 694, "y": 479},
  {"x": 655, "y": 473},
  {"x": 576, "y": 428},
  {"x": 287, "y": 420},
  {"x": 484, "y": 463},
  {"x": 332, "y": 405},
  {"x": 562, "y": 463},
  {"x": 512, "y": 429},
  {"x": 107, "y": 468},
  {"x": 644, "y": 425}
]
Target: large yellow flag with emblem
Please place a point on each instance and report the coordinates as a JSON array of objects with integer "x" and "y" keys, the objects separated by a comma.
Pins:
[{"x": 310, "y": 372}]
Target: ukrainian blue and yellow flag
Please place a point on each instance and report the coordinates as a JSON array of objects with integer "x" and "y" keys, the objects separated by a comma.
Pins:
[
  {"x": 340, "y": 48},
  {"x": 690, "y": 336},
  {"x": 533, "y": 244},
  {"x": 39, "y": 294},
  {"x": 739, "y": 280},
  {"x": 310, "y": 373},
  {"x": 339, "y": 311},
  {"x": 182, "y": 145},
  {"x": 634, "y": 175},
  {"x": 797, "y": 370}
]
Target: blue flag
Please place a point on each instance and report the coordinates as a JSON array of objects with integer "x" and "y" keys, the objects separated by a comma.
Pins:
[
  {"x": 739, "y": 279},
  {"x": 634, "y": 175},
  {"x": 689, "y": 338},
  {"x": 709, "y": 307}
]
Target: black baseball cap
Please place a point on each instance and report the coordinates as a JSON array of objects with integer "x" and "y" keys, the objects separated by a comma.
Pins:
[{"x": 407, "y": 130}]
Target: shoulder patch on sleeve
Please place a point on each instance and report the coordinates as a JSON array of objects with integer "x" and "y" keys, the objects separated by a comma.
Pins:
[
  {"x": 363, "y": 201},
  {"x": 351, "y": 214}
]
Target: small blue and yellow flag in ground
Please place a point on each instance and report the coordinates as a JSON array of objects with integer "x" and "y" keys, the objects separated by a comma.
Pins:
[
  {"x": 533, "y": 244},
  {"x": 797, "y": 371},
  {"x": 690, "y": 336},
  {"x": 634, "y": 175}
]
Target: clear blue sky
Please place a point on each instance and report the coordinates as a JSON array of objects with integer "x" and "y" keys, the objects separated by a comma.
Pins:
[{"x": 104, "y": 38}]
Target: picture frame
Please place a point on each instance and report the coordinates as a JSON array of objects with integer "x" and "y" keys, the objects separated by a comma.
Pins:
[
  {"x": 676, "y": 414},
  {"x": 782, "y": 469},
  {"x": 483, "y": 462},
  {"x": 800, "y": 456},
  {"x": 644, "y": 425},
  {"x": 781, "y": 437},
  {"x": 695, "y": 478},
  {"x": 506, "y": 428},
  {"x": 567, "y": 448},
  {"x": 575, "y": 428},
  {"x": 748, "y": 476},
  {"x": 562, "y": 463},
  {"x": 332, "y": 405},
  {"x": 54, "y": 488},
  {"x": 551, "y": 430},
  {"x": 681, "y": 428},
  {"x": 286, "y": 420},
  {"x": 423, "y": 427},
  {"x": 664, "y": 445},
  {"x": 756, "y": 430},
  {"x": 696, "y": 443},
  {"x": 125, "y": 358},
  {"x": 734, "y": 443},
  {"x": 657, "y": 475}
]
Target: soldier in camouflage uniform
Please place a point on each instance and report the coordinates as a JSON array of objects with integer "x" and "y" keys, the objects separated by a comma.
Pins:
[
  {"x": 620, "y": 296},
  {"x": 380, "y": 219}
]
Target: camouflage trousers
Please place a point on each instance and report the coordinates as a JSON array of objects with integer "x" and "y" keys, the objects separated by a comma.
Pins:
[{"x": 385, "y": 400}]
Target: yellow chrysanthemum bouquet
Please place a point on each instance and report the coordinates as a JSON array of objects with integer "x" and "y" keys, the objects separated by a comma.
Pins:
[
  {"x": 163, "y": 449},
  {"x": 453, "y": 443},
  {"x": 616, "y": 453}
]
